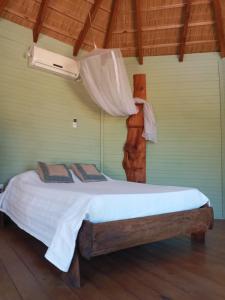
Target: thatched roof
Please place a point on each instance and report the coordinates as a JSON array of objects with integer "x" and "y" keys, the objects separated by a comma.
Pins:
[{"x": 138, "y": 27}]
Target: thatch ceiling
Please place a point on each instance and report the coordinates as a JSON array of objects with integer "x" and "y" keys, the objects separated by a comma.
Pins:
[{"x": 137, "y": 27}]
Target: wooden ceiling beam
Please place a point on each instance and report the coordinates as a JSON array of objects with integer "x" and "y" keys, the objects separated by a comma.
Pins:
[
  {"x": 112, "y": 19},
  {"x": 187, "y": 10},
  {"x": 219, "y": 25},
  {"x": 3, "y": 5},
  {"x": 39, "y": 21},
  {"x": 90, "y": 18},
  {"x": 139, "y": 31}
]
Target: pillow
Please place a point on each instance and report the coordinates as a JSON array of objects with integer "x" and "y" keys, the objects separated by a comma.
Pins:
[
  {"x": 87, "y": 172},
  {"x": 54, "y": 173}
]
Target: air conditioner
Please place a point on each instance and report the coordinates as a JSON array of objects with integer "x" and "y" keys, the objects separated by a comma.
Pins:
[{"x": 53, "y": 62}]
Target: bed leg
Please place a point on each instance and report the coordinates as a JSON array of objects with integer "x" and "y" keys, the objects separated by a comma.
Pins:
[
  {"x": 2, "y": 220},
  {"x": 72, "y": 277},
  {"x": 198, "y": 237}
]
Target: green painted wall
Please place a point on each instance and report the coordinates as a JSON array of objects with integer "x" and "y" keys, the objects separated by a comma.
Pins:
[
  {"x": 37, "y": 109},
  {"x": 186, "y": 100}
]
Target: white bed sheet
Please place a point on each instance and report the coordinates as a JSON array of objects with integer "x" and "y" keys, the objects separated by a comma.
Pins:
[{"x": 53, "y": 213}]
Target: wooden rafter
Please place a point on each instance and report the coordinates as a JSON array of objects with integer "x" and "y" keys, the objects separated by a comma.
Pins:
[
  {"x": 219, "y": 25},
  {"x": 139, "y": 31},
  {"x": 86, "y": 27},
  {"x": 40, "y": 18},
  {"x": 114, "y": 11},
  {"x": 2, "y": 5},
  {"x": 187, "y": 10}
]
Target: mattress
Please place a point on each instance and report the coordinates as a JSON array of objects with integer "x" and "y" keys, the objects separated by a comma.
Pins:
[{"x": 112, "y": 200}]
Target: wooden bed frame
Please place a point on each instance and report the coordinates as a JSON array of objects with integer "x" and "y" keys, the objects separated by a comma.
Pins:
[{"x": 107, "y": 237}]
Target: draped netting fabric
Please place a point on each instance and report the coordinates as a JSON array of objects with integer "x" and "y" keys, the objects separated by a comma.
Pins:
[{"x": 104, "y": 76}]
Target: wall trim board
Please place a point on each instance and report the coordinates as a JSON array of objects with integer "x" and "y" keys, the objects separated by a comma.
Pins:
[
  {"x": 221, "y": 69},
  {"x": 102, "y": 140}
]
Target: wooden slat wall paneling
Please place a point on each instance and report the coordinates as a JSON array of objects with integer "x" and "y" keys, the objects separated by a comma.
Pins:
[
  {"x": 112, "y": 19},
  {"x": 187, "y": 10},
  {"x": 90, "y": 18},
  {"x": 41, "y": 127},
  {"x": 219, "y": 25},
  {"x": 186, "y": 102},
  {"x": 40, "y": 18}
]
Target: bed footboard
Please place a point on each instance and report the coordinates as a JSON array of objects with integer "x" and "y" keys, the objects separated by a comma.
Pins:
[{"x": 102, "y": 238}]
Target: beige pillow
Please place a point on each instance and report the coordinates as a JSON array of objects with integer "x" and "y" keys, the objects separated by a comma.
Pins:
[
  {"x": 54, "y": 173},
  {"x": 87, "y": 172}
]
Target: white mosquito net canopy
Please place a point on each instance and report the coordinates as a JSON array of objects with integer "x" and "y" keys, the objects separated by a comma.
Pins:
[{"x": 104, "y": 76}]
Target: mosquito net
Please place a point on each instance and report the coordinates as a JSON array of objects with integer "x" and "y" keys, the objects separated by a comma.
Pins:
[{"x": 104, "y": 76}]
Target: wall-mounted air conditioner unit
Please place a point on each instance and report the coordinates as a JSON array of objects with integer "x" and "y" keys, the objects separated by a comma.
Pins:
[{"x": 53, "y": 62}]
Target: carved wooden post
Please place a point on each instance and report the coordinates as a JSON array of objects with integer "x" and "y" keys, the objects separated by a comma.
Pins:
[{"x": 134, "y": 162}]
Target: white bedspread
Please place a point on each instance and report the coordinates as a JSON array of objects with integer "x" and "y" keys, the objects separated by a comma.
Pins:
[{"x": 53, "y": 213}]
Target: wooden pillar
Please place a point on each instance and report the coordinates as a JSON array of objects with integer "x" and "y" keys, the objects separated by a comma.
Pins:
[{"x": 134, "y": 162}]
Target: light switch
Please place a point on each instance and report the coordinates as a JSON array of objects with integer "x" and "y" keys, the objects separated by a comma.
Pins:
[{"x": 75, "y": 125}]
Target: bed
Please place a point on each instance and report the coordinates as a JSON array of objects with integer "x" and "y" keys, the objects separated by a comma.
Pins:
[{"x": 101, "y": 217}]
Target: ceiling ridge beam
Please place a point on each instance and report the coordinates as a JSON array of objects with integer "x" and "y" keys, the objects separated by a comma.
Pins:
[
  {"x": 3, "y": 4},
  {"x": 187, "y": 10},
  {"x": 87, "y": 25},
  {"x": 111, "y": 24},
  {"x": 139, "y": 31},
  {"x": 39, "y": 21},
  {"x": 219, "y": 25}
]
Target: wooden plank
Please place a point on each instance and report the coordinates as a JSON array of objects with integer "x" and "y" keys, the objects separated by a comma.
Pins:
[
  {"x": 40, "y": 18},
  {"x": 112, "y": 236},
  {"x": 109, "y": 288},
  {"x": 139, "y": 31},
  {"x": 187, "y": 10},
  {"x": 31, "y": 252},
  {"x": 23, "y": 279},
  {"x": 86, "y": 27},
  {"x": 219, "y": 25},
  {"x": 3, "y": 4},
  {"x": 112, "y": 18},
  {"x": 134, "y": 162},
  {"x": 7, "y": 287},
  {"x": 172, "y": 269},
  {"x": 119, "y": 273},
  {"x": 150, "y": 279}
]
